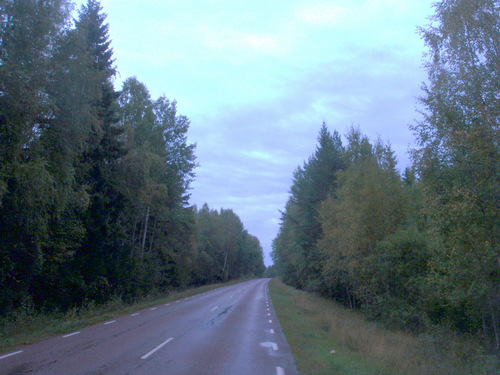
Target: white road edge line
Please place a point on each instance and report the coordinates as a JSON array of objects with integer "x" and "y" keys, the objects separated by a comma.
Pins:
[
  {"x": 280, "y": 371},
  {"x": 145, "y": 356},
  {"x": 215, "y": 308},
  {"x": 71, "y": 334},
  {"x": 11, "y": 354},
  {"x": 110, "y": 322}
]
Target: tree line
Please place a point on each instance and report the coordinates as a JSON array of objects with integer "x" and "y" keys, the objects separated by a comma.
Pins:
[
  {"x": 419, "y": 249},
  {"x": 94, "y": 182}
]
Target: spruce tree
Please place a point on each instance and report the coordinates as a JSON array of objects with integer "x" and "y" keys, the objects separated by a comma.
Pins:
[
  {"x": 301, "y": 227},
  {"x": 103, "y": 256}
]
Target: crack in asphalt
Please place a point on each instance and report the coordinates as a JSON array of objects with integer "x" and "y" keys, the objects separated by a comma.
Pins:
[{"x": 221, "y": 315}]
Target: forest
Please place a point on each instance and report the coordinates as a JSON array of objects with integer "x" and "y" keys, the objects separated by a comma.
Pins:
[
  {"x": 94, "y": 182},
  {"x": 419, "y": 249}
]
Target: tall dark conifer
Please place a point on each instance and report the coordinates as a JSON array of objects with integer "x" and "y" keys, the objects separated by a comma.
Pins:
[
  {"x": 301, "y": 227},
  {"x": 102, "y": 254}
]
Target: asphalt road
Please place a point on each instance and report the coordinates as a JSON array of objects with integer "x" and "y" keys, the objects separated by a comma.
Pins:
[{"x": 230, "y": 330}]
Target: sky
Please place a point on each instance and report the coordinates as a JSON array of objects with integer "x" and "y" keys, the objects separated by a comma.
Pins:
[{"x": 258, "y": 78}]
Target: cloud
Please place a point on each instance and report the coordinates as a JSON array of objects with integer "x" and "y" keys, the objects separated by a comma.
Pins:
[
  {"x": 264, "y": 43},
  {"x": 324, "y": 14},
  {"x": 233, "y": 41},
  {"x": 360, "y": 23},
  {"x": 248, "y": 153},
  {"x": 257, "y": 79}
]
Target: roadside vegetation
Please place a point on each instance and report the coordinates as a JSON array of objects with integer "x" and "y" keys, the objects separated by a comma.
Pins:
[
  {"x": 418, "y": 249},
  {"x": 315, "y": 326},
  {"x": 94, "y": 182}
]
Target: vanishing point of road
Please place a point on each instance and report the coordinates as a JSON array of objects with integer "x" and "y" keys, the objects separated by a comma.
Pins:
[{"x": 230, "y": 330}]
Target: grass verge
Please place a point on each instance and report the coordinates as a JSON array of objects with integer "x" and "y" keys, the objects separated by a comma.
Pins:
[
  {"x": 26, "y": 327},
  {"x": 314, "y": 326}
]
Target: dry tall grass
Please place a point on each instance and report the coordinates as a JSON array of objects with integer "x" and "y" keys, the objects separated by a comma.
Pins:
[{"x": 390, "y": 351}]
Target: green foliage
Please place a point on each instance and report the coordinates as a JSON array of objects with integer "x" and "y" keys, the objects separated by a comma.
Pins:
[
  {"x": 270, "y": 272},
  {"x": 29, "y": 30},
  {"x": 397, "y": 272},
  {"x": 94, "y": 183},
  {"x": 368, "y": 207},
  {"x": 294, "y": 249},
  {"x": 458, "y": 160},
  {"x": 423, "y": 248},
  {"x": 101, "y": 257},
  {"x": 226, "y": 251}
]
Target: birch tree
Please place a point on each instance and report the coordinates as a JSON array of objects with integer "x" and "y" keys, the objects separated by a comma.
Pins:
[{"x": 458, "y": 159}]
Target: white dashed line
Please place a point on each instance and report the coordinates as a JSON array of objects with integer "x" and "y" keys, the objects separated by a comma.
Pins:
[
  {"x": 167, "y": 304},
  {"x": 110, "y": 322},
  {"x": 135, "y": 314},
  {"x": 280, "y": 371},
  {"x": 11, "y": 354},
  {"x": 145, "y": 356},
  {"x": 153, "y": 308},
  {"x": 272, "y": 331},
  {"x": 215, "y": 308},
  {"x": 268, "y": 314},
  {"x": 269, "y": 345},
  {"x": 71, "y": 334},
  {"x": 270, "y": 321}
]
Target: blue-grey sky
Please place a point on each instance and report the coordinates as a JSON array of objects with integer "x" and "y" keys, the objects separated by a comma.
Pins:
[{"x": 257, "y": 79}]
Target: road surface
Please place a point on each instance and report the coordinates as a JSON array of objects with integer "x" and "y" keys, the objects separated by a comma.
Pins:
[{"x": 230, "y": 330}]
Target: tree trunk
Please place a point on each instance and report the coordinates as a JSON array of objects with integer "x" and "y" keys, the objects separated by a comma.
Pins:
[
  {"x": 494, "y": 323},
  {"x": 224, "y": 267},
  {"x": 152, "y": 236},
  {"x": 132, "y": 248},
  {"x": 145, "y": 231}
]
